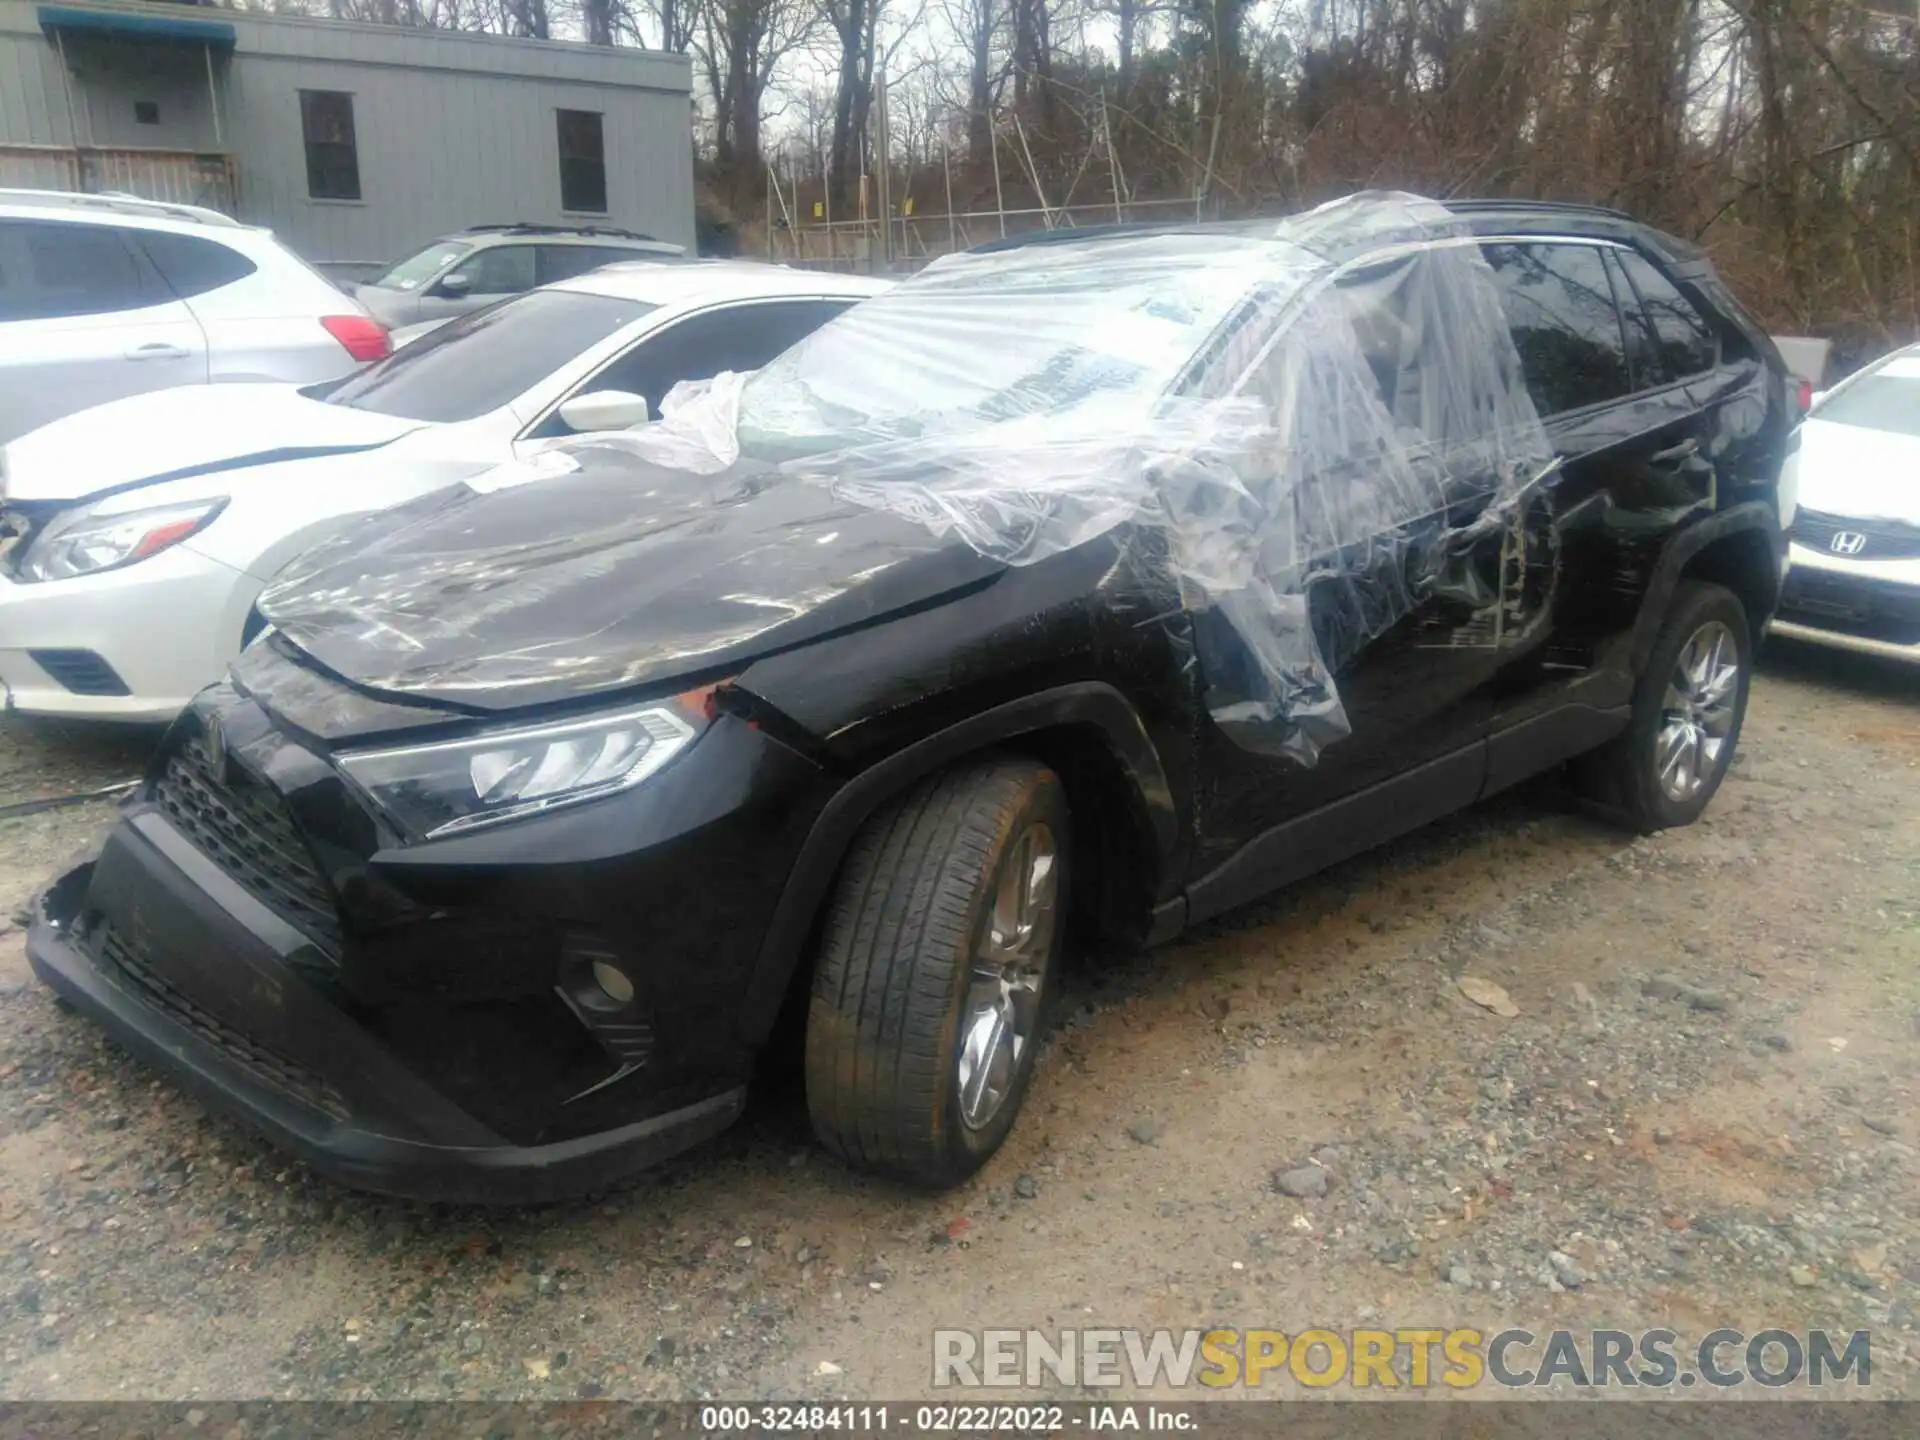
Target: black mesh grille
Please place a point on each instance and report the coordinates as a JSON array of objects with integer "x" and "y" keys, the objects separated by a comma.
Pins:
[
  {"x": 81, "y": 671},
  {"x": 244, "y": 828},
  {"x": 125, "y": 955},
  {"x": 1852, "y": 605},
  {"x": 1856, "y": 539}
]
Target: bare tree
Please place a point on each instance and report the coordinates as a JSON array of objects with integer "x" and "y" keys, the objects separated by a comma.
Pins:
[
  {"x": 739, "y": 44},
  {"x": 980, "y": 30},
  {"x": 855, "y": 26},
  {"x": 675, "y": 21}
]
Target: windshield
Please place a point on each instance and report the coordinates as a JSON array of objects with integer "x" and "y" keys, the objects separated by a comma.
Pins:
[
  {"x": 1316, "y": 429},
  {"x": 414, "y": 271},
  {"x": 488, "y": 358},
  {"x": 1876, "y": 402},
  {"x": 981, "y": 340}
]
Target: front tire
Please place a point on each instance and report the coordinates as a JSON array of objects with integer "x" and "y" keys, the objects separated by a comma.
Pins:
[
  {"x": 1687, "y": 711},
  {"x": 936, "y": 965}
]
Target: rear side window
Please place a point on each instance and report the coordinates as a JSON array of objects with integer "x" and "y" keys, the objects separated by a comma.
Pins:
[
  {"x": 740, "y": 337},
  {"x": 499, "y": 270},
  {"x": 1678, "y": 341},
  {"x": 49, "y": 271},
  {"x": 192, "y": 266},
  {"x": 1566, "y": 325},
  {"x": 563, "y": 262},
  {"x": 487, "y": 358}
]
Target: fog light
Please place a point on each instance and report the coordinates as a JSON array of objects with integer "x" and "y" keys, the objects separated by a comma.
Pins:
[{"x": 613, "y": 981}]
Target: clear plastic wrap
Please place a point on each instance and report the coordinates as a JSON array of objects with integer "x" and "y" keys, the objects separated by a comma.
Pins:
[
  {"x": 1321, "y": 414},
  {"x": 1310, "y": 422}
]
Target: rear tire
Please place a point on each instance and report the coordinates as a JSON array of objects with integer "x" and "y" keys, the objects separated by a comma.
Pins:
[
  {"x": 1687, "y": 711},
  {"x": 935, "y": 969}
]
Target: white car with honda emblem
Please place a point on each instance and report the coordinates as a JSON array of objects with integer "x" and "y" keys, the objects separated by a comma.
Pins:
[
  {"x": 141, "y": 532},
  {"x": 1854, "y": 581}
]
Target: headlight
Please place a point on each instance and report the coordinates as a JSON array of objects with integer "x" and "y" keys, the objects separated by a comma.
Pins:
[
  {"x": 83, "y": 543},
  {"x": 455, "y": 785}
]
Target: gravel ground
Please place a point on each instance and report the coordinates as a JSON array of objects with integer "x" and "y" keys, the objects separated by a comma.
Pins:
[{"x": 1701, "y": 1115}]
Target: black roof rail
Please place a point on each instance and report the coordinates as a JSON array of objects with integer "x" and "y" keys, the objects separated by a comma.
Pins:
[
  {"x": 1468, "y": 206},
  {"x": 529, "y": 227}
]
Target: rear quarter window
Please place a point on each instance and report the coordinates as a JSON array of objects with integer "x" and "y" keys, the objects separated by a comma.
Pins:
[
  {"x": 1672, "y": 339},
  {"x": 192, "y": 266}
]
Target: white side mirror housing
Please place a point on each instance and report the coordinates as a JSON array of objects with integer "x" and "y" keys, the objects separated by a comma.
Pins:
[{"x": 604, "y": 410}]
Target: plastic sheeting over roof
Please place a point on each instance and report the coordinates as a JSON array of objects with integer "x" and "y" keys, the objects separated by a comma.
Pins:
[{"x": 1309, "y": 421}]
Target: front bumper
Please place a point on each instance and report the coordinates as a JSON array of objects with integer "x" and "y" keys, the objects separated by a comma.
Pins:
[
  {"x": 1869, "y": 607},
  {"x": 164, "y": 628},
  {"x": 195, "y": 976}
]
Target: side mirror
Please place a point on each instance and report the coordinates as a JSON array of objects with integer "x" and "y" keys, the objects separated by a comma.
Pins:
[
  {"x": 456, "y": 286},
  {"x": 604, "y": 410}
]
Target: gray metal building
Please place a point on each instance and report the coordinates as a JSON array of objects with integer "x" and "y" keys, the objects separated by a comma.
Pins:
[{"x": 355, "y": 143}]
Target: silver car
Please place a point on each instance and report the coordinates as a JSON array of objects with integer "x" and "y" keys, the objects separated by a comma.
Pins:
[{"x": 485, "y": 263}]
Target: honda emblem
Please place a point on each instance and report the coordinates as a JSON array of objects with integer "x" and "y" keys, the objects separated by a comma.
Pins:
[{"x": 1847, "y": 542}]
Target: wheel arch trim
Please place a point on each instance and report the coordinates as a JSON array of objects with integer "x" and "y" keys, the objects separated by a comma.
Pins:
[
  {"x": 1752, "y": 516},
  {"x": 1088, "y": 704}
]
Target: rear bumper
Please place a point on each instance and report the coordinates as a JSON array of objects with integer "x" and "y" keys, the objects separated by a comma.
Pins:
[{"x": 199, "y": 980}]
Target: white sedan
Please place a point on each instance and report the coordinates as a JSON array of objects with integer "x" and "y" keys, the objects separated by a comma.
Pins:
[
  {"x": 1854, "y": 470},
  {"x": 143, "y": 530}
]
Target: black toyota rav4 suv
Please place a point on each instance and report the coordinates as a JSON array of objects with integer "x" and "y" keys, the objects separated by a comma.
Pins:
[{"x": 1069, "y": 594}]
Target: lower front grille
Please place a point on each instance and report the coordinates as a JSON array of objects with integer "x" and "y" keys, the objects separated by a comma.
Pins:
[
  {"x": 80, "y": 671},
  {"x": 244, "y": 828},
  {"x": 126, "y": 956},
  {"x": 1852, "y": 605}
]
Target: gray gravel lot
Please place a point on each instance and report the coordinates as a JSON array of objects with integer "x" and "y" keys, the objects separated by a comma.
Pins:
[{"x": 1702, "y": 1114}]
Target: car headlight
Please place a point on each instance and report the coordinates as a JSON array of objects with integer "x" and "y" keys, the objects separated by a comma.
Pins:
[
  {"x": 454, "y": 785},
  {"x": 81, "y": 542}
]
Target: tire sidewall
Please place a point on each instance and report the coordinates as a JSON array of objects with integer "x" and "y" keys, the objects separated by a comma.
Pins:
[{"x": 968, "y": 1149}]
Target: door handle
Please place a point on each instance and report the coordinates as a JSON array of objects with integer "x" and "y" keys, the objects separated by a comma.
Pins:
[
  {"x": 157, "y": 351},
  {"x": 1674, "y": 454}
]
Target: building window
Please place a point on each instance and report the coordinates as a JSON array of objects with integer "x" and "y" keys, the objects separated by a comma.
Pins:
[
  {"x": 583, "y": 162},
  {"x": 333, "y": 162},
  {"x": 146, "y": 112}
]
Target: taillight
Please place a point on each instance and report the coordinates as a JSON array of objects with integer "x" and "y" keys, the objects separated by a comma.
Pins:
[
  {"x": 365, "y": 339},
  {"x": 1806, "y": 396}
]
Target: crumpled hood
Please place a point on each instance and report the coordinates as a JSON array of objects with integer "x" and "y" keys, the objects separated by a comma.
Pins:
[
  {"x": 1859, "y": 473},
  {"x": 171, "y": 434},
  {"x": 619, "y": 575}
]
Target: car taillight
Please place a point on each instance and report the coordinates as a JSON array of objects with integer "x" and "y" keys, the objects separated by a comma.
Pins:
[
  {"x": 364, "y": 339},
  {"x": 1806, "y": 396}
]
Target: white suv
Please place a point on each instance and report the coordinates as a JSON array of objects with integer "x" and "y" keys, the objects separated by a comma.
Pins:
[{"x": 104, "y": 296}]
